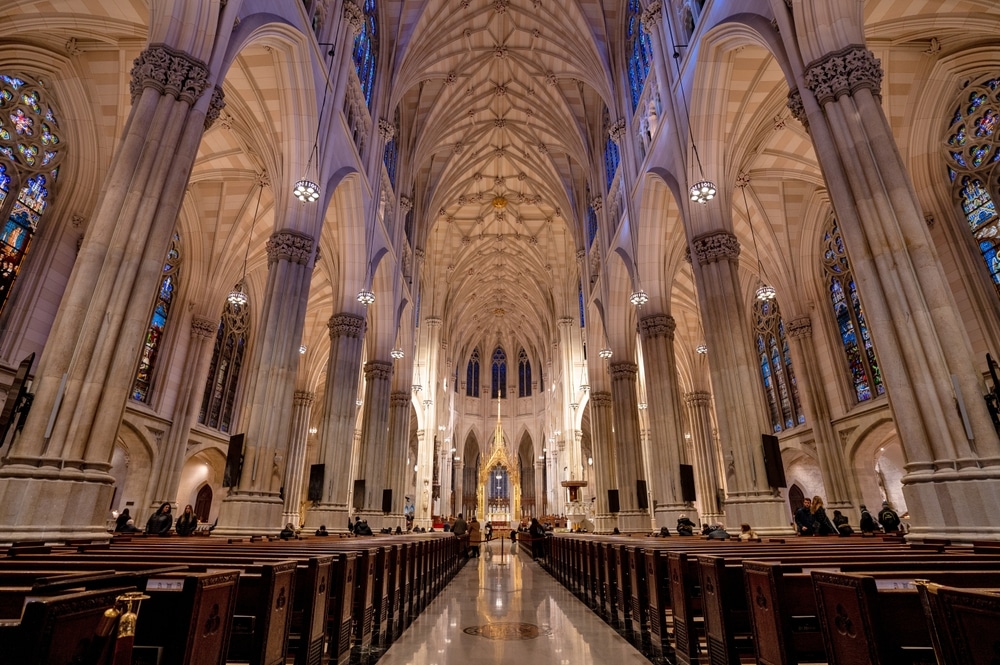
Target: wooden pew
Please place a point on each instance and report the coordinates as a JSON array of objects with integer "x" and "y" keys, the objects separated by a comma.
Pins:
[
  {"x": 964, "y": 623},
  {"x": 264, "y": 605}
]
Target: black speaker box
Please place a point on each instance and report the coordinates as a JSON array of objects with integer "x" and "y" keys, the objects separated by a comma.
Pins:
[
  {"x": 641, "y": 495},
  {"x": 359, "y": 495},
  {"x": 773, "y": 467},
  {"x": 387, "y": 501},
  {"x": 613, "y": 505},
  {"x": 316, "y": 474},
  {"x": 687, "y": 483},
  {"x": 234, "y": 461}
]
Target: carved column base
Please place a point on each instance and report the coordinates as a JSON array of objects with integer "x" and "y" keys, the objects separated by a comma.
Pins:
[
  {"x": 956, "y": 505},
  {"x": 605, "y": 523},
  {"x": 634, "y": 521},
  {"x": 332, "y": 515},
  {"x": 667, "y": 515},
  {"x": 250, "y": 514},
  {"x": 767, "y": 515},
  {"x": 54, "y": 504}
]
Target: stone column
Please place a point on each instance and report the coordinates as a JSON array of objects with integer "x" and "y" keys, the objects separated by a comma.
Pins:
[
  {"x": 459, "y": 484},
  {"x": 628, "y": 447},
  {"x": 430, "y": 345},
  {"x": 738, "y": 398},
  {"x": 706, "y": 456},
  {"x": 929, "y": 371},
  {"x": 374, "y": 438},
  {"x": 192, "y": 386},
  {"x": 838, "y": 479},
  {"x": 336, "y": 433},
  {"x": 602, "y": 440},
  {"x": 302, "y": 402},
  {"x": 399, "y": 440},
  {"x": 55, "y": 481},
  {"x": 666, "y": 446},
  {"x": 255, "y": 505}
]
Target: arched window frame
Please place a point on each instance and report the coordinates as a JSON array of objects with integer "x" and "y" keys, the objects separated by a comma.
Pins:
[
  {"x": 31, "y": 152},
  {"x": 972, "y": 155},
  {"x": 390, "y": 156},
  {"x": 849, "y": 317},
  {"x": 523, "y": 374},
  {"x": 221, "y": 388},
  {"x": 152, "y": 343},
  {"x": 638, "y": 52},
  {"x": 498, "y": 385},
  {"x": 612, "y": 155},
  {"x": 366, "y": 50},
  {"x": 774, "y": 359},
  {"x": 472, "y": 375}
]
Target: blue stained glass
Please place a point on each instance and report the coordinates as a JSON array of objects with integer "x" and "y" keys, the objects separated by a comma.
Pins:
[
  {"x": 523, "y": 375},
  {"x": 499, "y": 387},
  {"x": 975, "y": 101},
  {"x": 4, "y": 183},
  {"x": 612, "y": 157},
  {"x": 12, "y": 81},
  {"x": 976, "y": 202},
  {"x": 995, "y": 157},
  {"x": 366, "y": 47},
  {"x": 958, "y": 138},
  {"x": 957, "y": 156},
  {"x": 979, "y": 154},
  {"x": 582, "y": 318},
  {"x": 154, "y": 334},
  {"x": 639, "y": 52},
  {"x": 993, "y": 84},
  {"x": 957, "y": 117},
  {"x": 472, "y": 375},
  {"x": 987, "y": 123},
  {"x": 951, "y": 172},
  {"x": 591, "y": 226}
]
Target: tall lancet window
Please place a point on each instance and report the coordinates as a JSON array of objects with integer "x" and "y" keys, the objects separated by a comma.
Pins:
[
  {"x": 612, "y": 156},
  {"x": 638, "y": 50},
  {"x": 390, "y": 156},
  {"x": 365, "y": 52},
  {"x": 472, "y": 375},
  {"x": 523, "y": 374},
  {"x": 154, "y": 334},
  {"x": 775, "y": 359},
  {"x": 499, "y": 384},
  {"x": 850, "y": 316},
  {"x": 30, "y": 154},
  {"x": 972, "y": 144},
  {"x": 224, "y": 372}
]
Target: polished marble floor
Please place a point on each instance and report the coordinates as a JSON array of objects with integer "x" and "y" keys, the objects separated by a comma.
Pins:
[{"x": 506, "y": 609}]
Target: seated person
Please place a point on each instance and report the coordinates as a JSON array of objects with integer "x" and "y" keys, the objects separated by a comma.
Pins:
[
  {"x": 288, "y": 532},
  {"x": 129, "y": 527},
  {"x": 718, "y": 532},
  {"x": 746, "y": 533},
  {"x": 664, "y": 532},
  {"x": 321, "y": 531},
  {"x": 685, "y": 527}
]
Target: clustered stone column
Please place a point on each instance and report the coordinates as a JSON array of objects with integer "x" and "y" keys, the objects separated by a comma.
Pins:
[
  {"x": 55, "y": 481},
  {"x": 399, "y": 440},
  {"x": 336, "y": 434},
  {"x": 628, "y": 447},
  {"x": 666, "y": 446},
  {"x": 374, "y": 437},
  {"x": 255, "y": 505},
  {"x": 738, "y": 398},
  {"x": 302, "y": 402},
  {"x": 192, "y": 385},
  {"x": 602, "y": 439},
  {"x": 708, "y": 470},
  {"x": 832, "y": 465}
]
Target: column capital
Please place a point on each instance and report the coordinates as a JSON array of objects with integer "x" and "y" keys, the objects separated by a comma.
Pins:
[
  {"x": 623, "y": 369},
  {"x": 800, "y": 327},
  {"x": 378, "y": 369},
  {"x": 288, "y": 245},
  {"x": 170, "y": 72},
  {"x": 432, "y": 321},
  {"x": 844, "y": 72},
  {"x": 797, "y": 108},
  {"x": 565, "y": 321},
  {"x": 354, "y": 16},
  {"x": 386, "y": 130},
  {"x": 346, "y": 325},
  {"x": 215, "y": 107},
  {"x": 716, "y": 246},
  {"x": 303, "y": 398},
  {"x": 652, "y": 15},
  {"x": 657, "y": 325},
  {"x": 398, "y": 400},
  {"x": 698, "y": 398},
  {"x": 202, "y": 326},
  {"x": 600, "y": 399}
]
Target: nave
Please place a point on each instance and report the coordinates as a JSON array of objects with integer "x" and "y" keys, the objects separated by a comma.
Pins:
[{"x": 503, "y": 608}]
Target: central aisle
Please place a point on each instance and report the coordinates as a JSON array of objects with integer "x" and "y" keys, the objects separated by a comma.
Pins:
[{"x": 508, "y": 610}]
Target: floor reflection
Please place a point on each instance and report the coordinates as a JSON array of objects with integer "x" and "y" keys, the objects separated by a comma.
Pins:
[{"x": 503, "y": 608}]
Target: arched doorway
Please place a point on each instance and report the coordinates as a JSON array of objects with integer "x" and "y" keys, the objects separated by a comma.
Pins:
[
  {"x": 203, "y": 503},
  {"x": 795, "y": 497}
]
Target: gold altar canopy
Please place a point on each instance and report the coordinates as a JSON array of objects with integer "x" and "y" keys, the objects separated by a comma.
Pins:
[{"x": 499, "y": 457}]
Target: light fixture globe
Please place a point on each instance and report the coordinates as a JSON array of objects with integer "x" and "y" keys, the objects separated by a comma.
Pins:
[
  {"x": 306, "y": 191},
  {"x": 702, "y": 348},
  {"x": 366, "y": 297},
  {"x": 638, "y": 298},
  {"x": 766, "y": 292},
  {"x": 238, "y": 297},
  {"x": 585, "y": 387},
  {"x": 703, "y": 191},
  {"x": 397, "y": 353},
  {"x": 605, "y": 353}
]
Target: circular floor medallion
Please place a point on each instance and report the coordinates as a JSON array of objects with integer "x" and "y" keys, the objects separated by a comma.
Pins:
[{"x": 506, "y": 630}]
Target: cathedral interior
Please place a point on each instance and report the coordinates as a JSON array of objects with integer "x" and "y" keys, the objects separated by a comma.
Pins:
[{"x": 616, "y": 262}]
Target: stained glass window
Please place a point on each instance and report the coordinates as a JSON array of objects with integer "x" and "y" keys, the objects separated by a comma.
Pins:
[
  {"x": 499, "y": 385},
  {"x": 390, "y": 156},
  {"x": 523, "y": 374},
  {"x": 612, "y": 157},
  {"x": 775, "y": 358},
  {"x": 855, "y": 338},
  {"x": 638, "y": 50},
  {"x": 472, "y": 375},
  {"x": 366, "y": 51},
  {"x": 154, "y": 334},
  {"x": 972, "y": 148},
  {"x": 591, "y": 219},
  {"x": 221, "y": 388},
  {"x": 30, "y": 153}
]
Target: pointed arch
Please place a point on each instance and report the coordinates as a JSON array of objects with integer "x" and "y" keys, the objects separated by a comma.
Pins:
[
  {"x": 498, "y": 385},
  {"x": 218, "y": 403},
  {"x": 523, "y": 374}
]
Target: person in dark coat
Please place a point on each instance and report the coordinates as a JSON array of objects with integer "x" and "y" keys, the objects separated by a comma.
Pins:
[
  {"x": 321, "y": 531},
  {"x": 823, "y": 525},
  {"x": 805, "y": 525},
  {"x": 187, "y": 522},
  {"x": 159, "y": 523},
  {"x": 840, "y": 521},
  {"x": 122, "y": 520},
  {"x": 685, "y": 527},
  {"x": 889, "y": 518},
  {"x": 867, "y": 523},
  {"x": 288, "y": 532}
]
